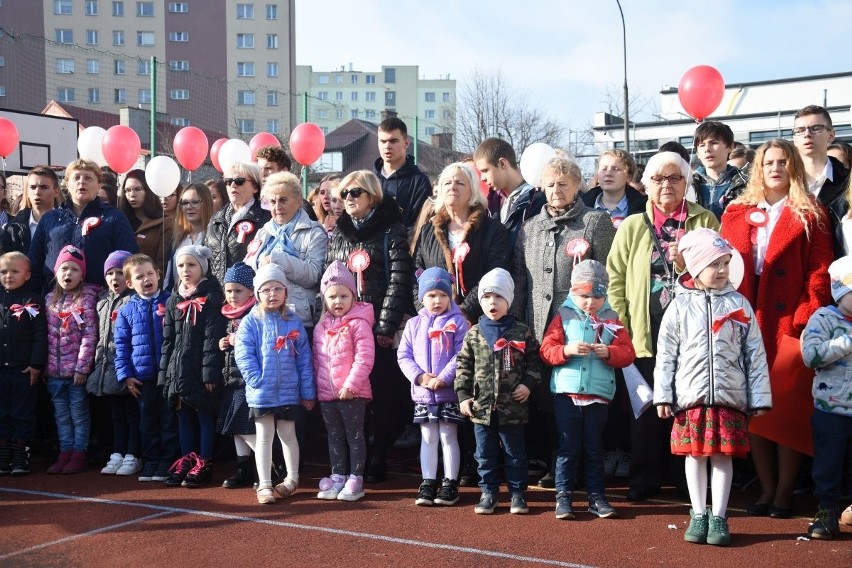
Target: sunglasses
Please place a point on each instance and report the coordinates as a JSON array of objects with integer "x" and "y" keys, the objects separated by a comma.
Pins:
[
  {"x": 355, "y": 192},
  {"x": 238, "y": 181}
]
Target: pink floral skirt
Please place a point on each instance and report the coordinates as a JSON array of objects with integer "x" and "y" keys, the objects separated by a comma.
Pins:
[{"x": 709, "y": 430}]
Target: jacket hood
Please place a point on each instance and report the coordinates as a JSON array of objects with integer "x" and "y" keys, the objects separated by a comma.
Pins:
[
  {"x": 569, "y": 303},
  {"x": 452, "y": 310},
  {"x": 407, "y": 169},
  {"x": 386, "y": 214}
]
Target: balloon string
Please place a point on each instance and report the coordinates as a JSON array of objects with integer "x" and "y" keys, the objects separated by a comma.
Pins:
[{"x": 4, "y": 165}]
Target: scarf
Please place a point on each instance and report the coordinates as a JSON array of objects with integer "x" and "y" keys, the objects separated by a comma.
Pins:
[
  {"x": 358, "y": 224},
  {"x": 238, "y": 312},
  {"x": 186, "y": 291},
  {"x": 494, "y": 330},
  {"x": 281, "y": 238}
]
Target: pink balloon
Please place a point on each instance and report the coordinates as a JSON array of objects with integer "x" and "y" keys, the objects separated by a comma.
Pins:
[
  {"x": 8, "y": 137},
  {"x": 190, "y": 147},
  {"x": 700, "y": 91},
  {"x": 260, "y": 140},
  {"x": 121, "y": 148},
  {"x": 214, "y": 153},
  {"x": 307, "y": 143}
]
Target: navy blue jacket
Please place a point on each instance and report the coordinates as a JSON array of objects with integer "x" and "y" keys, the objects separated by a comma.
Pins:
[
  {"x": 139, "y": 337},
  {"x": 409, "y": 186}
]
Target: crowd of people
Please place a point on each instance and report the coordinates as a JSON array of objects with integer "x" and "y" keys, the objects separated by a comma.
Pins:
[{"x": 503, "y": 325}]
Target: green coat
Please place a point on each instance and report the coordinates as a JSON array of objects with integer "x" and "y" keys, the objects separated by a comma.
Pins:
[
  {"x": 481, "y": 375},
  {"x": 629, "y": 268}
]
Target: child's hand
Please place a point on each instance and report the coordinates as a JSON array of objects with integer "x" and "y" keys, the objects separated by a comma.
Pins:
[
  {"x": 601, "y": 350},
  {"x": 345, "y": 394},
  {"x": 34, "y": 373},
  {"x": 760, "y": 412},
  {"x": 435, "y": 384},
  {"x": 664, "y": 411},
  {"x": 224, "y": 343},
  {"x": 521, "y": 393},
  {"x": 308, "y": 405},
  {"x": 425, "y": 380},
  {"x": 210, "y": 386},
  {"x": 133, "y": 386},
  {"x": 466, "y": 407},
  {"x": 576, "y": 348},
  {"x": 79, "y": 379}
]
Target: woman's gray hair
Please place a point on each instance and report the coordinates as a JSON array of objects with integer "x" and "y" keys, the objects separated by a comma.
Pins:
[
  {"x": 476, "y": 197},
  {"x": 662, "y": 159},
  {"x": 249, "y": 171}
]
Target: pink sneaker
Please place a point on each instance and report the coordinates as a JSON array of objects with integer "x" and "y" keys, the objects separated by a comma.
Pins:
[{"x": 353, "y": 490}]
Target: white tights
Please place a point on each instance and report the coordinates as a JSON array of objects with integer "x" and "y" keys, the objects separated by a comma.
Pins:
[
  {"x": 431, "y": 434},
  {"x": 266, "y": 428},
  {"x": 244, "y": 444},
  {"x": 696, "y": 480}
]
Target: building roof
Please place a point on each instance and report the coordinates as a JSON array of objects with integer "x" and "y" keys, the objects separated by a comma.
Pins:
[{"x": 672, "y": 90}]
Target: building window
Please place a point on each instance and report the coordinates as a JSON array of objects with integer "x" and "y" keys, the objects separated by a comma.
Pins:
[
  {"x": 246, "y": 125},
  {"x": 429, "y": 114},
  {"x": 272, "y": 11},
  {"x": 445, "y": 97},
  {"x": 64, "y": 35},
  {"x": 686, "y": 141},
  {"x": 353, "y": 96},
  {"x": 2, "y": 61},
  {"x": 338, "y": 79},
  {"x": 390, "y": 98},
  {"x": 144, "y": 96},
  {"x": 62, "y": 7},
  {"x": 180, "y": 37},
  {"x": 272, "y": 98},
  {"x": 272, "y": 125},
  {"x": 390, "y": 74},
  {"x": 64, "y": 65},
  {"x": 65, "y": 95},
  {"x": 179, "y": 65},
  {"x": 324, "y": 129},
  {"x": 120, "y": 96},
  {"x": 245, "y": 69},
  {"x": 445, "y": 114},
  {"x": 145, "y": 39},
  {"x": 271, "y": 41},
  {"x": 354, "y": 113},
  {"x": 179, "y": 94},
  {"x": 118, "y": 66},
  {"x": 94, "y": 96},
  {"x": 91, "y": 37},
  {"x": 143, "y": 67},
  {"x": 92, "y": 10},
  {"x": 322, "y": 113},
  {"x": 430, "y": 97},
  {"x": 369, "y": 114},
  {"x": 271, "y": 69},
  {"x": 323, "y": 79},
  {"x": 178, "y": 7},
  {"x": 370, "y": 79},
  {"x": 2, "y": 91},
  {"x": 245, "y": 11},
  {"x": 429, "y": 130},
  {"x": 93, "y": 66},
  {"x": 245, "y": 41},
  {"x": 178, "y": 121},
  {"x": 118, "y": 9},
  {"x": 338, "y": 96},
  {"x": 370, "y": 96},
  {"x": 766, "y": 135},
  {"x": 145, "y": 9},
  {"x": 245, "y": 97},
  {"x": 353, "y": 79},
  {"x": 339, "y": 113},
  {"x": 322, "y": 95},
  {"x": 118, "y": 37}
]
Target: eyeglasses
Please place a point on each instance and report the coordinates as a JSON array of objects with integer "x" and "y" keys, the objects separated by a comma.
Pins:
[
  {"x": 271, "y": 291},
  {"x": 355, "y": 192},
  {"x": 238, "y": 181},
  {"x": 815, "y": 129},
  {"x": 135, "y": 189},
  {"x": 191, "y": 203},
  {"x": 673, "y": 179},
  {"x": 277, "y": 201}
]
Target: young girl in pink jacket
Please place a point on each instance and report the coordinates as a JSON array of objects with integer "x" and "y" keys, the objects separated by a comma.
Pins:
[{"x": 343, "y": 359}]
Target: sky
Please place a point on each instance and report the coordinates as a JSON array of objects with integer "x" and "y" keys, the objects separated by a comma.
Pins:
[{"x": 564, "y": 55}]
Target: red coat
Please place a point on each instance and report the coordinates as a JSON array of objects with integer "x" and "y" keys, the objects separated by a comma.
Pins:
[{"x": 795, "y": 278}]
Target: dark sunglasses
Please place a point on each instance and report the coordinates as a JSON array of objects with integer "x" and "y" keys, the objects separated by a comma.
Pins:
[
  {"x": 355, "y": 192},
  {"x": 238, "y": 181}
]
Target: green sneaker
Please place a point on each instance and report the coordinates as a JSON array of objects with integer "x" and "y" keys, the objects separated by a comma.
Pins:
[
  {"x": 717, "y": 533},
  {"x": 697, "y": 530}
]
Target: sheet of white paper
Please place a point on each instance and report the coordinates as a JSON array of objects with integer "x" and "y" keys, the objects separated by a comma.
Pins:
[{"x": 641, "y": 395}]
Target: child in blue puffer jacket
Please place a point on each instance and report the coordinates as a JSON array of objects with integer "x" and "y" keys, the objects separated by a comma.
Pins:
[{"x": 274, "y": 356}]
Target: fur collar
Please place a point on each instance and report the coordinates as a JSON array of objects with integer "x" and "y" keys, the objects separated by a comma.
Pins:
[
  {"x": 440, "y": 222},
  {"x": 386, "y": 214}
]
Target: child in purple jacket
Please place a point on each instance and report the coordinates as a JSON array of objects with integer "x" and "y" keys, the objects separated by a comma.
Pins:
[{"x": 427, "y": 356}]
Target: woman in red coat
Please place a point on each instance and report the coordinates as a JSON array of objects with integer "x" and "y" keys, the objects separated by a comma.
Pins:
[{"x": 784, "y": 237}]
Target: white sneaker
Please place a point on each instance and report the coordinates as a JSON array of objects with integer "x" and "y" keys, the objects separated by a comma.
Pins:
[
  {"x": 130, "y": 465},
  {"x": 353, "y": 489},
  {"x": 330, "y": 487},
  {"x": 622, "y": 470},
  {"x": 113, "y": 464}
]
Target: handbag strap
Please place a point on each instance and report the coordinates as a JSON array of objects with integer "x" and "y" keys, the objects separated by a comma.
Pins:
[{"x": 657, "y": 244}]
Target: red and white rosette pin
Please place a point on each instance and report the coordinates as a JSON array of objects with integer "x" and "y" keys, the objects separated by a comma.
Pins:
[
  {"x": 89, "y": 224},
  {"x": 358, "y": 262},
  {"x": 459, "y": 254},
  {"x": 244, "y": 228},
  {"x": 757, "y": 217},
  {"x": 576, "y": 249},
  {"x": 252, "y": 249}
]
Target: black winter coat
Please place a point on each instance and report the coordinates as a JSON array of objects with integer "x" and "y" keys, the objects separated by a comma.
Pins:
[
  {"x": 191, "y": 356},
  {"x": 224, "y": 241},
  {"x": 409, "y": 186},
  {"x": 23, "y": 338},
  {"x": 833, "y": 196},
  {"x": 389, "y": 277}
]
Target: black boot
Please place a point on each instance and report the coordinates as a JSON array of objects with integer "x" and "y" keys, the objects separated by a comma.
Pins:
[
  {"x": 20, "y": 459},
  {"x": 5, "y": 457},
  {"x": 242, "y": 475}
]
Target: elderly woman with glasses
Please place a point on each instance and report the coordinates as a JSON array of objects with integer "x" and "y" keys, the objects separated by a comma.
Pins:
[
  {"x": 372, "y": 241},
  {"x": 643, "y": 264},
  {"x": 234, "y": 226}
]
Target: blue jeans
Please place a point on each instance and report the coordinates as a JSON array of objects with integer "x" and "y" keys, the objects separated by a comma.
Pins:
[
  {"x": 832, "y": 443},
  {"x": 488, "y": 439},
  {"x": 580, "y": 428},
  {"x": 71, "y": 410}
]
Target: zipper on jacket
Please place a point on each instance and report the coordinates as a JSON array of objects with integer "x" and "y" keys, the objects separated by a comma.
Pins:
[
  {"x": 153, "y": 304},
  {"x": 708, "y": 301},
  {"x": 328, "y": 358}
]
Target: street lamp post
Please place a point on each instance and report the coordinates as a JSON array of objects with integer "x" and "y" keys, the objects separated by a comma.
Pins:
[{"x": 626, "y": 110}]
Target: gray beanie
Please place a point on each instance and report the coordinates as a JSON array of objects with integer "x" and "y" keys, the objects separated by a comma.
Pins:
[
  {"x": 589, "y": 277},
  {"x": 268, "y": 273},
  {"x": 497, "y": 281},
  {"x": 201, "y": 253}
]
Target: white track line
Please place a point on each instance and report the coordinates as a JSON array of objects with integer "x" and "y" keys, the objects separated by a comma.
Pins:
[{"x": 168, "y": 510}]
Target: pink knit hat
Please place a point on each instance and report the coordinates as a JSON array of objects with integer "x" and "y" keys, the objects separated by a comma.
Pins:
[
  {"x": 700, "y": 247},
  {"x": 337, "y": 275},
  {"x": 70, "y": 253}
]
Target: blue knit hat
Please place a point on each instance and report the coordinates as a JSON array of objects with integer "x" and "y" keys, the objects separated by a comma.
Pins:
[
  {"x": 240, "y": 273},
  {"x": 435, "y": 278}
]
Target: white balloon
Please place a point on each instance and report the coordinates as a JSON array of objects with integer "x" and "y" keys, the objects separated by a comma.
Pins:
[
  {"x": 232, "y": 151},
  {"x": 163, "y": 175},
  {"x": 89, "y": 145},
  {"x": 533, "y": 160}
]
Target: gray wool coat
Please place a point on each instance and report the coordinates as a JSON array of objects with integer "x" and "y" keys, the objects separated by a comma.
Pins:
[{"x": 541, "y": 268}]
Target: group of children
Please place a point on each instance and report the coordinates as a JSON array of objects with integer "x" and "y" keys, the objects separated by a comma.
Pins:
[{"x": 178, "y": 367}]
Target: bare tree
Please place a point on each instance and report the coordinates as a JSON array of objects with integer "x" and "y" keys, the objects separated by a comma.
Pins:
[
  {"x": 489, "y": 106},
  {"x": 613, "y": 100}
]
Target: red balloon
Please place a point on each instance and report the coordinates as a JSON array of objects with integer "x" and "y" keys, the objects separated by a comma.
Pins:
[
  {"x": 190, "y": 147},
  {"x": 8, "y": 137},
  {"x": 260, "y": 140},
  {"x": 214, "y": 153},
  {"x": 307, "y": 143},
  {"x": 701, "y": 90},
  {"x": 121, "y": 148}
]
